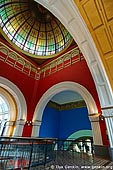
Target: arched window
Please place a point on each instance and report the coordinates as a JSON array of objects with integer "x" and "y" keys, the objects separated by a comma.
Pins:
[
  {"x": 8, "y": 112},
  {"x": 4, "y": 112},
  {"x": 16, "y": 108}
]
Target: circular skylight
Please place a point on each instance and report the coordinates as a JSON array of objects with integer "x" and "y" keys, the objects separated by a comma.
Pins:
[{"x": 33, "y": 28}]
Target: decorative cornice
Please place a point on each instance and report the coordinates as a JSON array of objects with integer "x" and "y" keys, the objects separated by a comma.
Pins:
[
  {"x": 71, "y": 57},
  {"x": 17, "y": 61},
  {"x": 53, "y": 105},
  {"x": 67, "y": 106},
  {"x": 14, "y": 59}
]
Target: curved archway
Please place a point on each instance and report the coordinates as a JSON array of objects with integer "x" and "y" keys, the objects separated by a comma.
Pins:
[
  {"x": 67, "y": 85},
  {"x": 18, "y": 99},
  {"x": 18, "y": 96},
  {"x": 81, "y": 133}
]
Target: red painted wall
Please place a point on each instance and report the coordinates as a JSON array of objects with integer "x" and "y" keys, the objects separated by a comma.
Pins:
[
  {"x": 78, "y": 73},
  {"x": 28, "y": 86},
  {"x": 33, "y": 89}
]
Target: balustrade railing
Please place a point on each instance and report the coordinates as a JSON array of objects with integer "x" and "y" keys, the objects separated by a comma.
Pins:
[
  {"x": 18, "y": 153},
  {"x": 30, "y": 153}
]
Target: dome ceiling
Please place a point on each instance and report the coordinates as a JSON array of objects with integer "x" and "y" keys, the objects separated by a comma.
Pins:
[{"x": 33, "y": 28}]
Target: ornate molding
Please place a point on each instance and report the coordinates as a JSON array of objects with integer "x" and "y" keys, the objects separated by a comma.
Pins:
[
  {"x": 12, "y": 58},
  {"x": 67, "y": 106},
  {"x": 71, "y": 57},
  {"x": 15, "y": 60}
]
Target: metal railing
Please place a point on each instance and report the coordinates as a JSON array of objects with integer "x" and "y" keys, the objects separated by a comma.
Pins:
[
  {"x": 18, "y": 153},
  {"x": 31, "y": 153}
]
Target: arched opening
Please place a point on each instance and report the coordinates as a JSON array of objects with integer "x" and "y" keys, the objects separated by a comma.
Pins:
[
  {"x": 65, "y": 86},
  {"x": 65, "y": 118},
  {"x": 65, "y": 114},
  {"x": 17, "y": 107}
]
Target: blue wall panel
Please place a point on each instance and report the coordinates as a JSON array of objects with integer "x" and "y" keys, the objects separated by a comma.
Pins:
[
  {"x": 61, "y": 124},
  {"x": 49, "y": 126},
  {"x": 72, "y": 121}
]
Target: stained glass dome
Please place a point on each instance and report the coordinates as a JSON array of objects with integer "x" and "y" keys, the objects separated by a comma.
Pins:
[{"x": 33, "y": 28}]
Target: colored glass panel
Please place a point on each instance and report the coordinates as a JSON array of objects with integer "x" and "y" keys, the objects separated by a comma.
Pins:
[{"x": 32, "y": 27}]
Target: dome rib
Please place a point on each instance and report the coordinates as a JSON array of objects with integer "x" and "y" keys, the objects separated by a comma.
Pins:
[
  {"x": 35, "y": 52},
  {"x": 53, "y": 36}
]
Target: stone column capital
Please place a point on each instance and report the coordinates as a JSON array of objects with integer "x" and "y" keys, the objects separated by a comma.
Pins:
[
  {"x": 36, "y": 127},
  {"x": 94, "y": 117},
  {"x": 36, "y": 123},
  {"x": 20, "y": 122}
]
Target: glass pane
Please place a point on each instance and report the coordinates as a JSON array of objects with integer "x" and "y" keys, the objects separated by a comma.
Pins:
[{"x": 4, "y": 108}]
